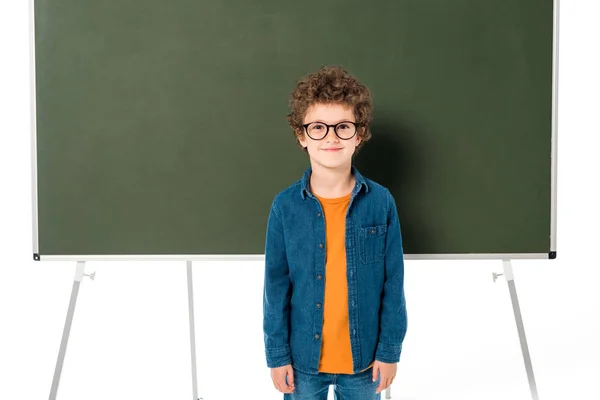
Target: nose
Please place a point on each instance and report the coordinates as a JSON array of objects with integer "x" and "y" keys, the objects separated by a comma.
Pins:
[{"x": 331, "y": 135}]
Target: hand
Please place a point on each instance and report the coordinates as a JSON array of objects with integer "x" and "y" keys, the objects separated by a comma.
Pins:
[
  {"x": 278, "y": 376},
  {"x": 387, "y": 372}
]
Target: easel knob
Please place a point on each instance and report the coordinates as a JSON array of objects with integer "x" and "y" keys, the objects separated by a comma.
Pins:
[
  {"x": 92, "y": 275},
  {"x": 495, "y": 276}
]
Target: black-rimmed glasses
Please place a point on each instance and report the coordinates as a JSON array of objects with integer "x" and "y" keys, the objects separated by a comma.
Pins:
[{"x": 345, "y": 130}]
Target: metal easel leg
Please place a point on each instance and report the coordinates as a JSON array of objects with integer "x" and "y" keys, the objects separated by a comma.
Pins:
[
  {"x": 190, "y": 282},
  {"x": 508, "y": 274},
  {"x": 79, "y": 272}
]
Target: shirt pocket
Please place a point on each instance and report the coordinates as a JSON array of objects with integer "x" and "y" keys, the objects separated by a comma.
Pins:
[{"x": 371, "y": 243}]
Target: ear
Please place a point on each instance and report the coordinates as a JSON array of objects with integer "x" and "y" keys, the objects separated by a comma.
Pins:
[
  {"x": 301, "y": 138},
  {"x": 358, "y": 138}
]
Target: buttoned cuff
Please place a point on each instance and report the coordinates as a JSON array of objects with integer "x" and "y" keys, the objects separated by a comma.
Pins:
[
  {"x": 278, "y": 356},
  {"x": 388, "y": 353}
]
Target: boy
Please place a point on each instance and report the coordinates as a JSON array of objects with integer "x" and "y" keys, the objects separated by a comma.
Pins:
[{"x": 333, "y": 302}]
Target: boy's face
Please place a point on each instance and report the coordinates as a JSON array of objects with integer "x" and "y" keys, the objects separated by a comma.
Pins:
[{"x": 331, "y": 151}]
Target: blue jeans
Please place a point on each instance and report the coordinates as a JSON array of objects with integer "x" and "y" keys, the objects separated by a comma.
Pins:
[{"x": 358, "y": 386}]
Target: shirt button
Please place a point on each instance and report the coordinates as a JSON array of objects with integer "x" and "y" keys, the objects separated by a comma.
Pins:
[
  {"x": 318, "y": 305},
  {"x": 354, "y": 332},
  {"x": 319, "y": 277},
  {"x": 317, "y": 336},
  {"x": 319, "y": 214},
  {"x": 320, "y": 245},
  {"x": 372, "y": 230}
]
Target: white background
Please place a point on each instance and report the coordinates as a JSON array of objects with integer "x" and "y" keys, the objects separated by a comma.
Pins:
[{"x": 130, "y": 335}]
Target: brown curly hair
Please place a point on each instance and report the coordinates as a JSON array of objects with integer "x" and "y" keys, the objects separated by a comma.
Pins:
[{"x": 331, "y": 84}]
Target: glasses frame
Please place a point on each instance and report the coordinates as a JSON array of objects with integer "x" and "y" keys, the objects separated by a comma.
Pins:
[{"x": 356, "y": 126}]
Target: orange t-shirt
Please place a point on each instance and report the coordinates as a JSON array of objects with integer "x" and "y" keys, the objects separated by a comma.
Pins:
[{"x": 336, "y": 353}]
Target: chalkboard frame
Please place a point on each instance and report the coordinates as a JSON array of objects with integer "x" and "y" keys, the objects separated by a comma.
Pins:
[{"x": 251, "y": 257}]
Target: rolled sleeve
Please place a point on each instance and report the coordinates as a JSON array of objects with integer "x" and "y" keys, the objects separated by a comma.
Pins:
[
  {"x": 276, "y": 294},
  {"x": 393, "y": 316}
]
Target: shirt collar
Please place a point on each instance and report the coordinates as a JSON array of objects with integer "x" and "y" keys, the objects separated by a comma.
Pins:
[{"x": 305, "y": 183}]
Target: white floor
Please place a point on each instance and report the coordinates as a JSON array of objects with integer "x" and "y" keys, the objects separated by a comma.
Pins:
[{"x": 130, "y": 333}]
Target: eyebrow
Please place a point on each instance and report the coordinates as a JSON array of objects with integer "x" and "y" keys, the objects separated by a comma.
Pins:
[{"x": 335, "y": 123}]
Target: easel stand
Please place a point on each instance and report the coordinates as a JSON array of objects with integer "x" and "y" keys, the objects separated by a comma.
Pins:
[
  {"x": 79, "y": 274},
  {"x": 510, "y": 279},
  {"x": 508, "y": 274}
]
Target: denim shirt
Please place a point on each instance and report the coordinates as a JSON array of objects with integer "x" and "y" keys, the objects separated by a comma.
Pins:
[{"x": 294, "y": 282}]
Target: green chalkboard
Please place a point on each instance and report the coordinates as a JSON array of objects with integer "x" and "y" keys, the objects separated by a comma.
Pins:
[{"x": 160, "y": 126}]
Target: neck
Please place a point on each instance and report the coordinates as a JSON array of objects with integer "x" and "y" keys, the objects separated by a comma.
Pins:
[{"x": 331, "y": 182}]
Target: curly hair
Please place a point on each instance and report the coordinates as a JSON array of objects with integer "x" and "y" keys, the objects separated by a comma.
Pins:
[{"x": 328, "y": 85}]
